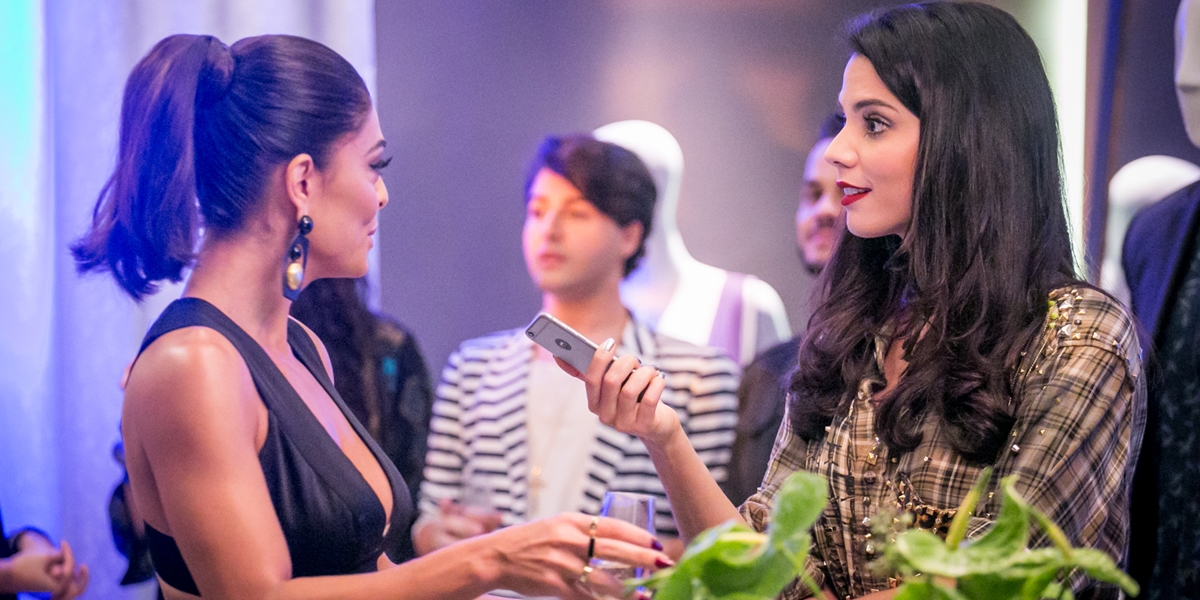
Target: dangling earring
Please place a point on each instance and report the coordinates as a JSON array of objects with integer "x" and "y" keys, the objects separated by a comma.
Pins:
[{"x": 297, "y": 260}]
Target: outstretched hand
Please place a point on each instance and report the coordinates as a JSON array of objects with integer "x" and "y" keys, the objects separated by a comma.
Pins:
[
  {"x": 626, "y": 395},
  {"x": 40, "y": 566},
  {"x": 549, "y": 557}
]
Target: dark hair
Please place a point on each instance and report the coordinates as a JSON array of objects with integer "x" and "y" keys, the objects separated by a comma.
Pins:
[
  {"x": 831, "y": 126},
  {"x": 612, "y": 178},
  {"x": 204, "y": 121},
  {"x": 988, "y": 242}
]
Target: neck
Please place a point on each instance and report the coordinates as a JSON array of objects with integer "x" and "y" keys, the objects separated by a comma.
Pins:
[
  {"x": 232, "y": 275},
  {"x": 598, "y": 316}
]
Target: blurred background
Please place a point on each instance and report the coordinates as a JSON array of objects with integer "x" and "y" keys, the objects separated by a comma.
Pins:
[{"x": 466, "y": 89}]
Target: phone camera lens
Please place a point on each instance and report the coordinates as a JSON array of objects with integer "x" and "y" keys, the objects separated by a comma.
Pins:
[
  {"x": 562, "y": 344},
  {"x": 529, "y": 333}
]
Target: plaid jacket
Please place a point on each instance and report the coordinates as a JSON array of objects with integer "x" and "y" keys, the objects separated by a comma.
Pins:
[{"x": 1081, "y": 409}]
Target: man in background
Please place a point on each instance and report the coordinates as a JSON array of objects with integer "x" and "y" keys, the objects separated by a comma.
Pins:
[{"x": 512, "y": 439}]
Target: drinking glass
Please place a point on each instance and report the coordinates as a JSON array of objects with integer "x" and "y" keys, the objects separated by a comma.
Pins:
[
  {"x": 637, "y": 509},
  {"x": 475, "y": 496}
]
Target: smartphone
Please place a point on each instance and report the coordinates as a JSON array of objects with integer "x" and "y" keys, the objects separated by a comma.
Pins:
[{"x": 562, "y": 341}]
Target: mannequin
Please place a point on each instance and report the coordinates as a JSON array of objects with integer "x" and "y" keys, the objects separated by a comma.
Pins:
[
  {"x": 677, "y": 295},
  {"x": 1139, "y": 183}
]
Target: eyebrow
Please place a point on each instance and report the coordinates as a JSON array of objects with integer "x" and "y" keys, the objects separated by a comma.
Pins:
[
  {"x": 378, "y": 145},
  {"x": 861, "y": 104}
]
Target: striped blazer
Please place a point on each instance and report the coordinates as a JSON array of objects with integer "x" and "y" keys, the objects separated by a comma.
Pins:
[{"x": 479, "y": 423}]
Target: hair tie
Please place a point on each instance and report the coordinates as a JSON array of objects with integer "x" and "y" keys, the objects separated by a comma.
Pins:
[{"x": 216, "y": 74}]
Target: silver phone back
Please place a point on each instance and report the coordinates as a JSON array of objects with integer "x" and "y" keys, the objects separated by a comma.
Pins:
[{"x": 561, "y": 341}]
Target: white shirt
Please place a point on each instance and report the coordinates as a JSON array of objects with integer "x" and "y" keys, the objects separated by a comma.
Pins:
[{"x": 561, "y": 434}]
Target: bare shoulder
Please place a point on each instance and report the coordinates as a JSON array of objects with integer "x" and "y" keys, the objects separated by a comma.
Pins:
[{"x": 190, "y": 379}]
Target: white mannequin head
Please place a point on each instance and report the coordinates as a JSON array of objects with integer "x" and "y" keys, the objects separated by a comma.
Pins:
[
  {"x": 1187, "y": 66},
  {"x": 662, "y": 156}
]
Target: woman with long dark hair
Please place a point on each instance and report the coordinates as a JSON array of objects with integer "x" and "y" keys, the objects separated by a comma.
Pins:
[
  {"x": 252, "y": 476},
  {"x": 953, "y": 333}
]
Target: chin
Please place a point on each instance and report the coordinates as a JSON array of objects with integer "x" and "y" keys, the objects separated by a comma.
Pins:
[{"x": 872, "y": 230}]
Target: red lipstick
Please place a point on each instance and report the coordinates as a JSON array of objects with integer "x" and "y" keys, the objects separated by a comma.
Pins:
[{"x": 852, "y": 193}]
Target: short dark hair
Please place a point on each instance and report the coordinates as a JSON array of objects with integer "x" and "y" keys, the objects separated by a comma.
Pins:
[
  {"x": 612, "y": 178},
  {"x": 201, "y": 120}
]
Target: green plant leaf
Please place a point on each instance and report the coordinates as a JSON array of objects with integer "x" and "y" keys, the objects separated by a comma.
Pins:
[
  {"x": 925, "y": 589},
  {"x": 1100, "y": 566},
  {"x": 1007, "y": 535},
  {"x": 958, "y": 526},
  {"x": 798, "y": 504},
  {"x": 733, "y": 562}
]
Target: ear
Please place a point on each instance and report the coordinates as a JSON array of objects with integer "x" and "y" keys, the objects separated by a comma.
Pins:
[
  {"x": 300, "y": 181},
  {"x": 631, "y": 238}
]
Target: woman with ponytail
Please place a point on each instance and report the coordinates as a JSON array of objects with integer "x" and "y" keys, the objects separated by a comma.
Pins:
[
  {"x": 953, "y": 334},
  {"x": 257, "y": 167}
]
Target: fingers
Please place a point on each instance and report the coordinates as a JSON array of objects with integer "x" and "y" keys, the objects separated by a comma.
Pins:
[
  {"x": 630, "y": 554},
  {"x": 631, "y": 396},
  {"x": 602, "y": 362},
  {"x": 648, "y": 405},
  {"x": 612, "y": 383},
  {"x": 626, "y": 535},
  {"x": 75, "y": 585},
  {"x": 68, "y": 559}
]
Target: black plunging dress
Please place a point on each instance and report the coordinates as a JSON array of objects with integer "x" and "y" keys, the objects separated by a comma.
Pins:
[{"x": 332, "y": 519}]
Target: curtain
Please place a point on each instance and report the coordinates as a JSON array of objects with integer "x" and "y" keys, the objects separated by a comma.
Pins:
[{"x": 65, "y": 340}]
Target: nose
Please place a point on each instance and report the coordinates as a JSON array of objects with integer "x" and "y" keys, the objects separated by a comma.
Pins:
[
  {"x": 839, "y": 153},
  {"x": 552, "y": 223},
  {"x": 381, "y": 192}
]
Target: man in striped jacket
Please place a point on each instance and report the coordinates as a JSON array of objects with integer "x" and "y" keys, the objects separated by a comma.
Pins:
[{"x": 511, "y": 438}]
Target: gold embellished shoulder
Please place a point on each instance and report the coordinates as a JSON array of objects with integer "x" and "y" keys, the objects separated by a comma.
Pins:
[{"x": 1082, "y": 316}]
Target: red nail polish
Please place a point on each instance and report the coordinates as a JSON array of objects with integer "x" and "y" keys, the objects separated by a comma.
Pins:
[
  {"x": 663, "y": 563},
  {"x": 657, "y": 546}
]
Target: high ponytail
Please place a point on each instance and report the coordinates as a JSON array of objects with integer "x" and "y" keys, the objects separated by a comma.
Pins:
[
  {"x": 203, "y": 124},
  {"x": 144, "y": 223}
]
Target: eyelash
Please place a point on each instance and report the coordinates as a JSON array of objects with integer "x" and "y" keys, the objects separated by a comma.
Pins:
[
  {"x": 879, "y": 124},
  {"x": 381, "y": 164}
]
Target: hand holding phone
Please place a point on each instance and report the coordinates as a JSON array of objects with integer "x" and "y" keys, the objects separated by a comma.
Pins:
[{"x": 622, "y": 409}]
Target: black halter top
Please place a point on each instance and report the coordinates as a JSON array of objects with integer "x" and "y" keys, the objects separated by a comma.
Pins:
[{"x": 332, "y": 520}]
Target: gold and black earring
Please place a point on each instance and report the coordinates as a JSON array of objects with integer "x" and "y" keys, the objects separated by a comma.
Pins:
[{"x": 297, "y": 260}]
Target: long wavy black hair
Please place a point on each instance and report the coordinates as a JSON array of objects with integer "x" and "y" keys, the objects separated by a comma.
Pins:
[{"x": 988, "y": 241}]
